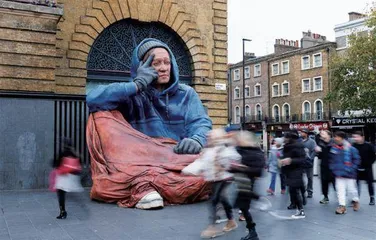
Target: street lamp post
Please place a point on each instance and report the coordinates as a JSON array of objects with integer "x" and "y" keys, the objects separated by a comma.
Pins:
[{"x": 243, "y": 118}]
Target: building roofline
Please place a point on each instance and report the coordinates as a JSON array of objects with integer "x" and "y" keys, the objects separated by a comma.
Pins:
[
  {"x": 347, "y": 24},
  {"x": 305, "y": 50},
  {"x": 274, "y": 56}
]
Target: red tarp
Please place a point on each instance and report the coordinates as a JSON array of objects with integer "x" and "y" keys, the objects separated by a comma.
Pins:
[{"x": 126, "y": 164}]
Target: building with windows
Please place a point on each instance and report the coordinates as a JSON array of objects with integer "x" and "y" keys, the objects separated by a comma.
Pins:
[
  {"x": 255, "y": 92},
  {"x": 52, "y": 54},
  {"x": 355, "y": 25},
  {"x": 298, "y": 85}
]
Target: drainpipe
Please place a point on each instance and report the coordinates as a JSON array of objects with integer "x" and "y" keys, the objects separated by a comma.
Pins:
[
  {"x": 329, "y": 81},
  {"x": 229, "y": 94}
]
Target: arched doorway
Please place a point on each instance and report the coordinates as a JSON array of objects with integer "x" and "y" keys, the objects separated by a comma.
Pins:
[{"x": 110, "y": 56}]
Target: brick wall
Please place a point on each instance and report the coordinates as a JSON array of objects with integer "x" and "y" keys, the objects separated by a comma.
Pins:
[
  {"x": 27, "y": 46},
  {"x": 201, "y": 24}
]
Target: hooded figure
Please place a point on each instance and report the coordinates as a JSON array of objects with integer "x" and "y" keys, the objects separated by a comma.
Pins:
[
  {"x": 155, "y": 103},
  {"x": 141, "y": 134}
]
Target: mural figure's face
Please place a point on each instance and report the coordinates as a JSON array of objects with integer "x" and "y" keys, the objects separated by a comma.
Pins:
[{"x": 162, "y": 64}]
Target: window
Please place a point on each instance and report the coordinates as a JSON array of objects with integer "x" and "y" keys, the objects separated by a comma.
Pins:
[
  {"x": 285, "y": 88},
  {"x": 306, "y": 85},
  {"x": 236, "y": 93},
  {"x": 258, "y": 90},
  {"x": 317, "y": 60},
  {"x": 286, "y": 112},
  {"x": 275, "y": 69},
  {"x": 306, "y": 110},
  {"x": 247, "y": 111},
  {"x": 247, "y": 72},
  {"x": 237, "y": 114},
  {"x": 306, "y": 62},
  {"x": 276, "y": 113},
  {"x": 285, "y": 67},
  {"x": 341, "y": 42},
  {"x": 247, "y": 91},
  {"x": 257, "y": 70},
  {"x": 275, "y": 90},
  {"x": 258, "y": 112},
  {"x": 319, "y": 110},
  {"x": 317, "y": 84},
  {"x": 236, "y": 74}
]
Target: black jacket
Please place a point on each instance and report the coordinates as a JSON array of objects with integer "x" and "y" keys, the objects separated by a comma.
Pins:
[
  {"x": 294, "y": 171},
  {"x": 254, "y": 159},
  {"x": 324, "y": 154},
  {"x": 367, "y": 154}
]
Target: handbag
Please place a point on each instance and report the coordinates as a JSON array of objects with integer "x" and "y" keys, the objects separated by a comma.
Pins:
[{"x": 69, "y": 165}]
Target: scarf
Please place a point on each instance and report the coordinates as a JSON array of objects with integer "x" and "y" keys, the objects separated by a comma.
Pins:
[{"x": 346, "y": 147}]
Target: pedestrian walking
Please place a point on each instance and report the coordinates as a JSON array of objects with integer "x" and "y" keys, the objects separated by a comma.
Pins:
[
  {"x": 272, "y": 166},
  {"x": 326, "y": 175},
  {"x": 292, "y": 165},
  {"x": 367, "y": 157},
  {"x": 67, "y": 168},
  {"x": 309, "y": 146},
  {"x": 344, "y": 160}
]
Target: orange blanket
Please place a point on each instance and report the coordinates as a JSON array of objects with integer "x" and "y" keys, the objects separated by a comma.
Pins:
[{"x": 126, "y": 164}]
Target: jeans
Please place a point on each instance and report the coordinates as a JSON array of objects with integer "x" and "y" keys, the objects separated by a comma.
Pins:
[
  {"x": 217, "y": 197},
  {"x": 368, "y": 177},
  {"x": 348, "y": 185},
  {"x": 296, "y": 196},
  {"x": 273, "y": 181},
  {"x": 326, "y": 178},
  {"x": 309, "y": 173}
]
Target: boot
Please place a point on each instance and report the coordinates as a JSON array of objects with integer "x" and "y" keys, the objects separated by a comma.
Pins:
[
  {"x": 252, "y": 235},
  {"x": 372, "y": 201},
  {"x": 63, "y": 213}
]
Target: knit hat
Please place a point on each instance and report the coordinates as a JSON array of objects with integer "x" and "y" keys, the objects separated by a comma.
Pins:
[
  {"x": 144, "y": 48},
  {"x": 279, "y": 141}
]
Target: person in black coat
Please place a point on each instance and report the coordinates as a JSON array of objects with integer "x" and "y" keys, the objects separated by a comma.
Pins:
[
  {"x": 246, "y": 173},
  {"x": 292, "y": 166},
  {"x": 326, "y": 175},
  {"x": 367, "y": 155}
]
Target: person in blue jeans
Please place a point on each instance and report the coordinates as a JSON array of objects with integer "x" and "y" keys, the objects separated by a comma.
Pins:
[{"x": 272, "y": 165}]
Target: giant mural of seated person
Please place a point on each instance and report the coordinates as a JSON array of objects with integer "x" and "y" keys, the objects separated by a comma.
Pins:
[{"x": 141, "y": 134}]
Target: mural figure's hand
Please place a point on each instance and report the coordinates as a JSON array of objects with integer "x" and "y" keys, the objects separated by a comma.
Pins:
[
  {"x": 188, "y": 146},
  {"x": 146, "y": 74}
]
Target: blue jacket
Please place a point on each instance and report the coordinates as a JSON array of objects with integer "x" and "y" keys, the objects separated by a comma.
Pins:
[
  {"x": 272, "y": 162},
  {"x": 176, "y": 112},
  {"x": 344, "y": 160}
]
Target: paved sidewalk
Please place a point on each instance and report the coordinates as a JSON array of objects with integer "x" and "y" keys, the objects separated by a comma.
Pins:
[{"x": 31, "y": 215}]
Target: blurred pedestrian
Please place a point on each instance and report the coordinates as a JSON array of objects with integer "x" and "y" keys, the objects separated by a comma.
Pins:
[
  {"x": 344, "y": 160},
  {"x": 292, "y": 165},
  {"x": 309, "y": 146},
  {"x": 367, "y": 156},
  {"x": 272, "y": 166},
  {"x": 67, "y": 168}
]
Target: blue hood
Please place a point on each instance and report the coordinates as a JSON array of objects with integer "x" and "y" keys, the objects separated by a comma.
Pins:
[{"x": 174, "y": 78}]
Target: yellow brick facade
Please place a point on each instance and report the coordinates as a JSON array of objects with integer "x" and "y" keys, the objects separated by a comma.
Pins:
[{"x": 63, "y": 44}]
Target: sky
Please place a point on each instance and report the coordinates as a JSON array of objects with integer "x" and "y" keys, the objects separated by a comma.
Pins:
[{"x": 267, "y": 20}]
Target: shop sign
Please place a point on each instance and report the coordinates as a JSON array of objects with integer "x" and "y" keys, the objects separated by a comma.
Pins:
[
  {"x": 354, "y": 121},
  {"x": 310, "y": 126}
]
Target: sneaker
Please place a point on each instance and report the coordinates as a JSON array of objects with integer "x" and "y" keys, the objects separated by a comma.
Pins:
[
  {"x": 283, "y": 191},
  {"x": 151, "y": 200},
  {"x": 372, "y": 201},
  {"x": 356, "y": 206},
  {"x": 299, "y": 214},
  {"x": 211, "y": 232},
  {"x": 230, "y": 225},
  {"x": 324, "y": 200},
  {"x": 341, "y": 210},
  {"x": 291, "y": 207},
  {"x": 241, "y": 218},
  {"x": 270, "y": 191}
]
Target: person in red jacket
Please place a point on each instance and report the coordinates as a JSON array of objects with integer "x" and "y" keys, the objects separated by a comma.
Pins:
[{"x": 67, "y": 168}]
